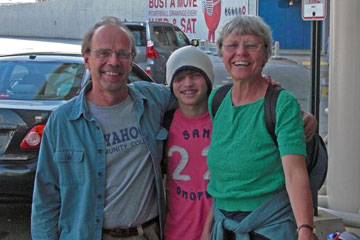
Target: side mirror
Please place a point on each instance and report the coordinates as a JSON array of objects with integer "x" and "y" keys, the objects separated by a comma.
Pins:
[{"x": 195, "y": 42}]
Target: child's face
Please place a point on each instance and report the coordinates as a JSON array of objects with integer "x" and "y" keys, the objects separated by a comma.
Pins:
[{"x": 190, "y": 88}]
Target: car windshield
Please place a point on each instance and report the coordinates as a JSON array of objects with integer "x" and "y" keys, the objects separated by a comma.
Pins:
[
  {"x": 139, "y": 34},
  {"x": 22, "y": 80}
]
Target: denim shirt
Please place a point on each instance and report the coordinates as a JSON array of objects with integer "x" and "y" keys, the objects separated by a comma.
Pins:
[{"x": 68, "y": 200}]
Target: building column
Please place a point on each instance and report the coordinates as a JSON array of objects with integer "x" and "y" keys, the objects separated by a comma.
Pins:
[{"x": 343, "y": 181}]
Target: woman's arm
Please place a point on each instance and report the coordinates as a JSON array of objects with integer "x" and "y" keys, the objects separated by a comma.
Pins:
[
  {"x": 298, "y": 188},
  {"x": 207, "y": 227}
]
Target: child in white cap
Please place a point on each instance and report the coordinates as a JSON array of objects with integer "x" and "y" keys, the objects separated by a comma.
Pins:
[{"x": 190, "y": 75}]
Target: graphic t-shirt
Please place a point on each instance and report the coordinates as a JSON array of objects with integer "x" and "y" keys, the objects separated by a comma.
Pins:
[
  {"x": 130, "y": 194},
  {"x": 187, "y": 176}
]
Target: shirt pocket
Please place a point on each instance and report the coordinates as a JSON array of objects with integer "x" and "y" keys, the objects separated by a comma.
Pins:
[
  {"x": 71, "y": 167},
  {"x": 160, "y": 138}
]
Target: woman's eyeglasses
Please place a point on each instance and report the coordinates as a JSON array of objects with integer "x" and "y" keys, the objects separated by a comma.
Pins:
[{"x": 248, "y": 46}]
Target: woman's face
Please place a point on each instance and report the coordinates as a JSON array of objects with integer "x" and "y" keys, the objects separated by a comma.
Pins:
[{"x": 243, "y": 56}]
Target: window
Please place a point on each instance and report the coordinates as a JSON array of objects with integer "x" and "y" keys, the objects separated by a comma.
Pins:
[
  {"x": 181, "y": 37},
  {"x": 17, "y": 74},
  {"x": 160, "y": 36},
  {"x": 170, "y": 34},
  {"x": 139, "y": 35},
  {"x": 40, "y": 80}
]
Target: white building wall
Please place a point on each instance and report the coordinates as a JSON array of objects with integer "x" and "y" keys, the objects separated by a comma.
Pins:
[
  {"x": 71, "y": 18},
  {"x": 64, "y": 18},
  {"x": 7, "y": 2}
]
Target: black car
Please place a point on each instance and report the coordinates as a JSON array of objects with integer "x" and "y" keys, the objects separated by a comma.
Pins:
[{"x": 32, "y": 85}]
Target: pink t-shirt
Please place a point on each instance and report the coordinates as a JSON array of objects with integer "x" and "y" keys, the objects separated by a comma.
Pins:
[{"x": 187, "y": 176}]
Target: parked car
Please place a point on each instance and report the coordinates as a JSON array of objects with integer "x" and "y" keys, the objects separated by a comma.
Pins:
[
  {"x": 155, "y": 41},
  {"x": 31, "y": 87}
]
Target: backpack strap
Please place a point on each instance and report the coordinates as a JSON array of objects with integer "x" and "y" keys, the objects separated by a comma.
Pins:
[
  {"x": 219, "y": 97},
  {"x": 317, "y": 158},
  {"x": 168, "y": 117},
  {"x": 271, "y": 96}
]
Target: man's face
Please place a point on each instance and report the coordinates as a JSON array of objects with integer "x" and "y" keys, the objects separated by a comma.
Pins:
[
  {"x": 190, "y": 88},
  {"x": 107, "y": 61}
]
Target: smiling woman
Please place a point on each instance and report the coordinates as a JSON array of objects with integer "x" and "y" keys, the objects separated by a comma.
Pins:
[{"x": 253, "y": 182}]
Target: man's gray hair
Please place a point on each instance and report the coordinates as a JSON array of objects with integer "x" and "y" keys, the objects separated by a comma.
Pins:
[
  {"x": 246, "y": 24},
  {"x": 108, "y": 20}
]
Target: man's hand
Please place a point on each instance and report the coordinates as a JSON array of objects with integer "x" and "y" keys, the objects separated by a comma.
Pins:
[
  {"x": 310, "y": 125},
  {"x": 268, "y": 80}
]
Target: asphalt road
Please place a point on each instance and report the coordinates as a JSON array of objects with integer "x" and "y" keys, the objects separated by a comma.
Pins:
[{"x": 15, "y": 221}]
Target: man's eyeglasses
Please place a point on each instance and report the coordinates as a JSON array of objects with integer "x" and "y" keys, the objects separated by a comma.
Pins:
[
  {"x": 248, "y": 46},
  {"x": 105, "y": 53}
]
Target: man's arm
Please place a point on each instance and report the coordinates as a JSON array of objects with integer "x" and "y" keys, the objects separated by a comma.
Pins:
[
  {"x": 160, "y": 94},
  {"x": 46, "y": 198},
  {"x": 310, "y": 125}
]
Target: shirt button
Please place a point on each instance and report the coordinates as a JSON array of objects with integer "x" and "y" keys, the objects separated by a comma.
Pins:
[
  {"x": 99, "y": 196},
  {"x": 99, "y": 151},
  {"x": 100, "y": 174},
  {"x": 68, "y": 157},
  {"x": 97, "y": 220}
]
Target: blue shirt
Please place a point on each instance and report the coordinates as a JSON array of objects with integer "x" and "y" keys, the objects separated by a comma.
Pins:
[{"x": 68, "y": 200}]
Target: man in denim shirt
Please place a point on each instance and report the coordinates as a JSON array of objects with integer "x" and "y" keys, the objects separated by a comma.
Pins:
[{"x": 98, "y": 173}]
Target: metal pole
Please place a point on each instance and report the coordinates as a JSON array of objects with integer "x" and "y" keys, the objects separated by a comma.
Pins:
[
  {"x": 315, "y": 69},
  {"x": 315, "y": 79}
]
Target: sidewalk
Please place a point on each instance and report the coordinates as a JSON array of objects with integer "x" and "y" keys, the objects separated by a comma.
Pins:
[{"x": 302, "y": 56}]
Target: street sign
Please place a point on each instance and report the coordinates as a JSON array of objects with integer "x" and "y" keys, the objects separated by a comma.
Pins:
[{"x": 313, "y": 10}]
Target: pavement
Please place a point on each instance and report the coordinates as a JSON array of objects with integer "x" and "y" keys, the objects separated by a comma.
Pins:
[{"x": 303, "y": 57}]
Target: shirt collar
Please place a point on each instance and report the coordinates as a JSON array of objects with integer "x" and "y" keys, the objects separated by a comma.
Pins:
[{"x": 80, "y": 106}]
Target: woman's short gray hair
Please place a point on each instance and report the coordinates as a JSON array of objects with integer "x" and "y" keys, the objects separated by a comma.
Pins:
[
  {"x": 108, "y": 20},
  {"x": 246, "y": 24}
]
